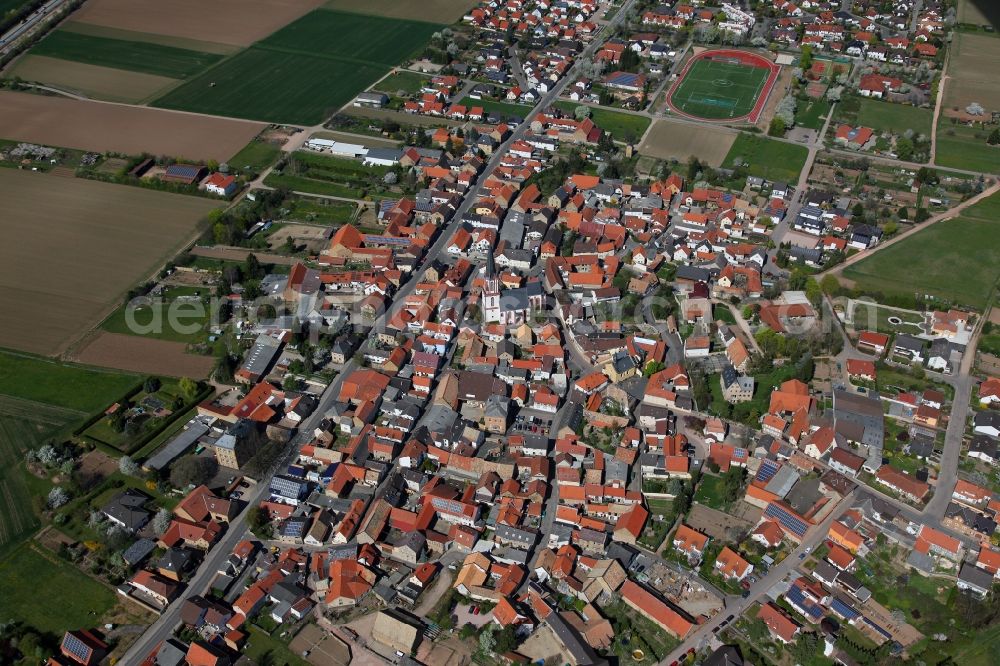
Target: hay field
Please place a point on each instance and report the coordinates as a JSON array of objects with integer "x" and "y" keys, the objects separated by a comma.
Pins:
[
  {"x": 144, "y": 355},
  {"x": 80, "y": 245},
  {"x": 237, "y": 22},
  {"x": 85, "y": 125},
  {"x": 668, "y": 139},
  {"x": 116, "y": 85},
  {"x": 436, "y": 11}
]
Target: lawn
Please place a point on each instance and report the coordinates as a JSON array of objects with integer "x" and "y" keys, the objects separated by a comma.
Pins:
[
  {"x": 896, "y": 118},
  {"x": 872, "y": 317},
  {"x": 407, "y": 82},
  {"x": 622, "y": 126},
  {"x": 262, "y": 648},
  {"x": 74, "y": 387},
  {"x": 49, "y": 594},
  {"x": 811, "y": 114},
  {"x": 962, "y": 147},
  {"x": 143, "y": 57},
  {"x": 505, "y": 109},
  {"x": 256, "y": 156},
  {"x": 715, "y": 89},
  {"x": 711, "y": 492},
  {"x": 320, "y": 211},
  {"x": 311, "y": 186},
  {"x": 955, "y": 260},
  {"x": 767, "y": 158},
  {"x": 176, "y": 320}
]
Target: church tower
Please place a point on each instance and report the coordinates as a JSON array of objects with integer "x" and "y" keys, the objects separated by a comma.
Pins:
[{"x": 491, "y": 292}]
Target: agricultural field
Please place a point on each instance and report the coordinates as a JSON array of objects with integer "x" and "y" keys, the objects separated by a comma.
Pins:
[
  {"x": 885, "y": 116},
  {"x": 971, "y": 78},
  {"x": 299, "y": 74},
  {"x": 92, "y": 81},
  {"x": 59, "y": 121},
  {"x": 144, "y": 355},
  {"x": 767, "y": 158},
  {"x": 273, "y": 86},
  {"x": 954, "y": 260},
  {"x": 712, "y": 88},
  {"x": 157, "y": 59},
  {"x": 438, "y": 11},
  {"x": 236, "y": 22},
  {"x": 82, "y": 244},
  {"x": 670, "y": 139},
  {"x": 978, "y": 12}
]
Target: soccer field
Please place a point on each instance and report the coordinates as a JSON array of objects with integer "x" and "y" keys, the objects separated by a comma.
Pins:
[{"x": 719, "y": 89}]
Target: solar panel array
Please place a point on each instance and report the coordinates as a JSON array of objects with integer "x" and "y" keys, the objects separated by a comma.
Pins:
[
  {"x": 768, "y": 468},
  {"x": 786, "y": 519},
  {"x": 76, "y": 647},
  {"x": 843, "y": 610},
  {"x": 799, "y": 600}
]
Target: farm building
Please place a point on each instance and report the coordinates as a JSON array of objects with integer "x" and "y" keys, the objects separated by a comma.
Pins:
[
  {"x": 371, "y": 99},
  {"x": 188, "y": 174},
  {"x": 221, "y": 184}
]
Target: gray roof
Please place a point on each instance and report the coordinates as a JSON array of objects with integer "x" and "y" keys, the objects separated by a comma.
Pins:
[
  {"x": 138, "y": 551},
  {"x": 392, "y": 154},
  {"x": 178, "y": 445},
  {"x": 261, "y": 355},
  {"x": 127, "y": 509},
  {"x": 973, "y": 575}
]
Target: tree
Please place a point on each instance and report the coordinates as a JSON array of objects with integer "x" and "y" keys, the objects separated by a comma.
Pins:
[
  {"x": 504, "y": 640},
  {"x": 58, "y": 497},
  {"x": 805, "y": 60},
  {"x": 188, "y": 386},
  {"x": 193, "y": 470},
  {"x": 830, "y": 284},
  {"x": 652, "y": 368},
  {"x": 257, "y": 519},
  {"x": 921, "y": 215},
  {"x": 581, "y": 112},
  {"x": 151, "y": 385},
  {"x": 128, "y": 467},
  {"x": 904, "y": 148},
  {"x": 994, "y": 137},
  {"x": 890, "y": 229},
  {"x": 161, "y": 521},
  {"x": 777, "y": 127}
]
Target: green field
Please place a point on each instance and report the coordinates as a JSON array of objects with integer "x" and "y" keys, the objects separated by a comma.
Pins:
[
  {"x": 256, "y": 156},
  {"x": 318, "y": 210},
  {"x": 956, "y": 260},
  {"x": 123, "y": 54},
  {"x": 871, "y": 317},
  {"x": 710, "y": 492},
  {"x": 767, "y": 158},
  {"x": 622, "y": 126},
  {"x": 24, "y": 425},
  {"x": 812, "y": 114},
  {"x": 964, "y": 147},
  {"x": 505, "y": 109},
  {"x": 49, "y": 594},
  {"x": 154, "y": 319},
  {"x": 311, "y": 186},
  {"x": 305, "y": 71},
  {"x": 75, "y": 387},
  {"x": 407, "y": 82},
  {"x": 717, "y": 90},
  {"x": 352, "y": 37},
  {"x": 275, "y": 86},
  {"x": 885, "y": 116}
]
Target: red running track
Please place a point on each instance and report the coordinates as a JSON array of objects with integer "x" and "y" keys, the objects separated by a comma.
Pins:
[{"x": 745, "y": 58}]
